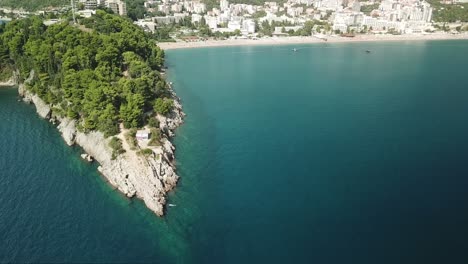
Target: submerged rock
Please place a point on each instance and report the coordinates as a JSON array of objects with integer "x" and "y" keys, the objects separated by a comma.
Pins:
[{"x": 87, "y": 157}]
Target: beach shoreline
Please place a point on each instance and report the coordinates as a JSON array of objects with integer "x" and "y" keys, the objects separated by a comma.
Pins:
[{"x": 310, "y": 40}]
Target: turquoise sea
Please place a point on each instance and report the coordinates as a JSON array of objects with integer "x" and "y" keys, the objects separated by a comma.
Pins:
[{"x": 325, "y": 155}]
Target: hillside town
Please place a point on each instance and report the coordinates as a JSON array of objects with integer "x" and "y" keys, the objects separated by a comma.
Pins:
[
  {"x": 293, "y": 18},
  {"x": 344, "y": 16},
  {"x": 330, "y": 16}
]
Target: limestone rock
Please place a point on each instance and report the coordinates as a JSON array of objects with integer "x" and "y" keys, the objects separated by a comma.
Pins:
[
  {"x": 87, "y": 157},
  {"x": 148, "y": 178},
  {"x": 67, "y": 128}
]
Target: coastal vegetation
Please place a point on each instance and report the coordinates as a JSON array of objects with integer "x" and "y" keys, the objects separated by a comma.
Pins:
[
  {"x": 116, "y": 145},
  {"x": 367, "y": 9},
  {"x": 163, "y": 106},
  {"x": 136, "y": 9},
  {"x": 449, "y": 12},
  {"x": 102, "y": 72},
  {"x": 146, "y": 152},
  {"x": 32, "y": 5},
  {"x": 155, "y": 137},
  {"x": 6, "y": 70},
  {"x": 131, "y": 139}
]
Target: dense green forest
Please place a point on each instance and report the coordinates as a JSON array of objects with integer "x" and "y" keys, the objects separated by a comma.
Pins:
[
  {"x": 449, "y": 12},
  {"x": 136, "y": 9},
  {"x": 32, "y": 5},
  {"x": 101, "y": 72},
  {"x": 367, "y": 9}
]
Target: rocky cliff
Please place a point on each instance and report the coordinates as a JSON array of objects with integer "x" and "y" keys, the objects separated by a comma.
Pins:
[
  {"x": 9, "y": 82},
  {"x": 12, "y": 81},
  {"x": 149, "y": 178}
]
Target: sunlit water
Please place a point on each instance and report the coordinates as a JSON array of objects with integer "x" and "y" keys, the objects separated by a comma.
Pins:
[{"x": 325, "y": 155}]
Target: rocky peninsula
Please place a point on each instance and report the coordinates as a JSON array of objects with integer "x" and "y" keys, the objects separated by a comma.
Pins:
[
  {"x": 148, "y": 177},
  {"x": 101, "y": 81}
]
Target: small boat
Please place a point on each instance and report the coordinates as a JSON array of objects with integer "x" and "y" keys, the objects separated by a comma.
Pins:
[
  {"x": 368, "y": 51},
  {"x": 295, "y": 50},
  {"x": 172, "y": 205}
]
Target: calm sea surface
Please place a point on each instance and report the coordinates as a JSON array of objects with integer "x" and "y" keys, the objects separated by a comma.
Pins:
[{"x": 325, "y": 155}]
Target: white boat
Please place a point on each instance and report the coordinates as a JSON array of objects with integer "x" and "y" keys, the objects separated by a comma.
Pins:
[{"x": 172, "y": 205}]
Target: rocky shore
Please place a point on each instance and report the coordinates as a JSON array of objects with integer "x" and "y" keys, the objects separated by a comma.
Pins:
[
  {"x": 10, "y": 82},
  {"x": 149, "y": 178}
]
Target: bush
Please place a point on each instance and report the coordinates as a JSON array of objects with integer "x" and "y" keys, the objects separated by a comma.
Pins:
[
  {"x": 163, "y": 106},
  {"x": 146, "y": 152},
  {"x": 153, "y": 122},
  {"x": 155, "y": 137},
  {"x": 116, "y": 145},
  {"x": 5, "y": 73},
  {"x": 130, "y": 138}
]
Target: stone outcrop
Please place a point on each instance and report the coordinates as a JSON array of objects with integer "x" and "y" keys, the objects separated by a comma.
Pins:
[
  {"x": 9, "y": 82},
  {"x": 174, "y": 119},
  {"x": 42, "y": 108},
  {"x": 148, "y": 178},
  {"x": 68, "y": 129},
  {"x": 87, "y": 157},
  {"x": 12, "y": 81}
]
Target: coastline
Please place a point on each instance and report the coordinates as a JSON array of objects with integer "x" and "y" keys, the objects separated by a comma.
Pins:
[
  {"x": 309, "y": 40},
  {"x": 148, "y": 178},
  {"x": 10, "y": 82}
]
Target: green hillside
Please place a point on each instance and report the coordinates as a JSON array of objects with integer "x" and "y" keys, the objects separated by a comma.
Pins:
[
  {"x": 102, "y": 72},
  {"x": 33, "y": 4}
]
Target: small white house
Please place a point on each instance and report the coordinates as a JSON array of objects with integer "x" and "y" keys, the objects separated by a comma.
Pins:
[{"x": 143, "y": 134}]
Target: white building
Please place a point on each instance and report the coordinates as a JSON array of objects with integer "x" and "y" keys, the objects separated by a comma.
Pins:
[
  {"x": 117, "y": 6},
  {"x": 86, "y": 13},
  {"x": 143, "y": 134},
  {"x": 223, "y": 5},
  {"x": 199, "y": 8},
  {"x": 279, "y": 30},
  {"x": 234, "y": 25},
  {"x": 90, "y": 4},
  {"x": 164, "y": 8},
  {"x": 176, "y": 8},
  {"x": 196, "y": 18},
  {"x": 211, "y": 21},
  {"x": 329, "y": 4},
  {"x": 149, "y": 26},
  {"x": 248, "y": 26},
  {"x": 295, "y": 11}
]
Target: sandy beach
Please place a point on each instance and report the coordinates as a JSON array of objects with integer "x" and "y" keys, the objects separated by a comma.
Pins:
[{"x": 309, "y": 40}]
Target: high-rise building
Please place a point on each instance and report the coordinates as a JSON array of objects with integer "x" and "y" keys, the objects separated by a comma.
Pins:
[
  {"x": 90, "y": 4},
  {"x": 117, "y": 6},
  {"x": 223, "y": 4}
]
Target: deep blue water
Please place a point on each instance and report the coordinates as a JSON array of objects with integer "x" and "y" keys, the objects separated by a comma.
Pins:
[{"x": 326, "y": 155}]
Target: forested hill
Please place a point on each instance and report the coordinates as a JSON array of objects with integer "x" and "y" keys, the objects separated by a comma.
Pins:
[
  {"x": 101, "y": 72},
  {"x": 33, "y": 4}
]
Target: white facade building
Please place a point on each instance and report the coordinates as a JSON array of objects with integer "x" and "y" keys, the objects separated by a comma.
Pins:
[
  {"x": 248, "y": 25},
  {"x": 223, "y": 5}
]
